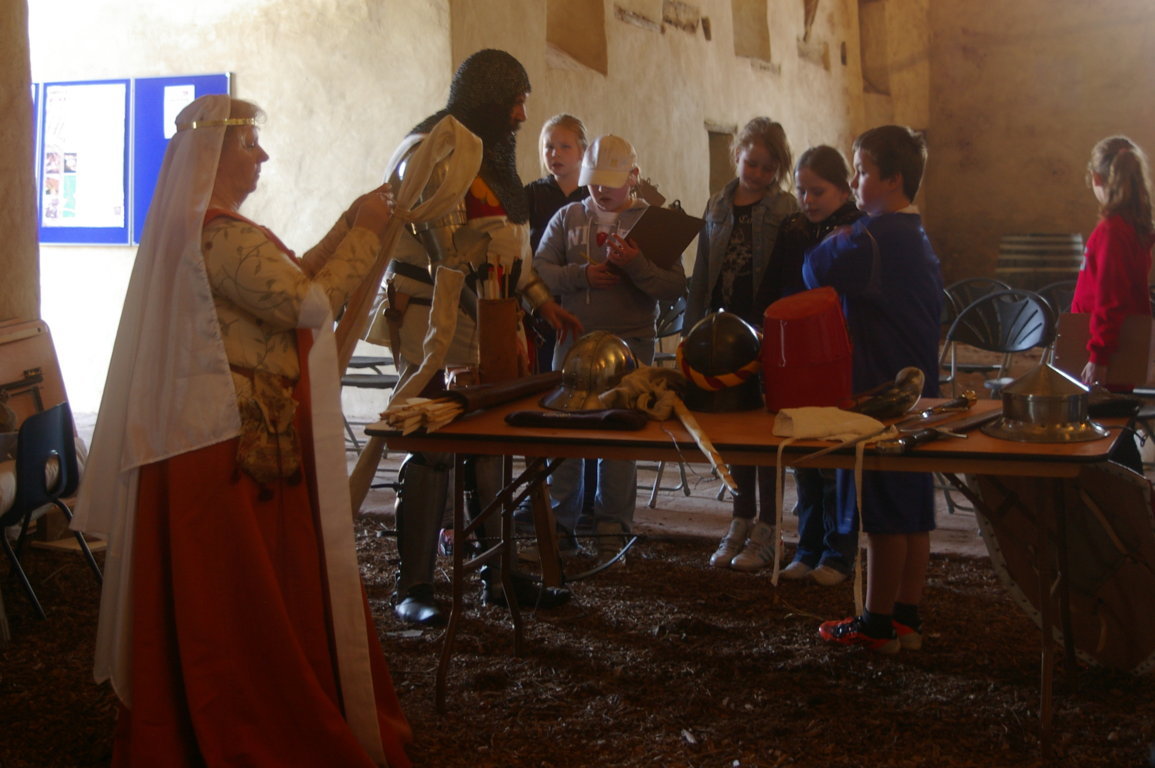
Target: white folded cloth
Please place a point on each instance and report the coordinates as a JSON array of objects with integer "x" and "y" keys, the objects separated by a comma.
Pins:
[{"x": 824, "y": 423}]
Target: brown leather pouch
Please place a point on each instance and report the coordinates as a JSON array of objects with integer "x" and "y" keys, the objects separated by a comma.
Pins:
[{"x": 269, "y": 447}]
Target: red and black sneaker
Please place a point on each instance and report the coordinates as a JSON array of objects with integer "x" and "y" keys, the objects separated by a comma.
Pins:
[
  {"x": 908, "y": 637},
  {"x": 852, "y": 632}
]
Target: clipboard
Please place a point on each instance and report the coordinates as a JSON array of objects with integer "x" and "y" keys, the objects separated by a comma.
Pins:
[{"x": 663, "y": 234}]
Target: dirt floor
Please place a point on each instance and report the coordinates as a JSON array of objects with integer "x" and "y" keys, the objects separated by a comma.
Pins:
[{"x": 660, "y": 662}]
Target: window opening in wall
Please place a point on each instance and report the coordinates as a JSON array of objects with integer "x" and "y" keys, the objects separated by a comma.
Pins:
[
  {"x": 721, "y": 166},
  {"x": 809, "y": 12},
  {"x": 812, "y": 50},
  {"x": 643, "y": 15},
  {"x": 681, "y": 15},
  {"x": 751, "y": 29},
  {"x": 577, "y": 29},
  {"x": 873, "y": 46}
]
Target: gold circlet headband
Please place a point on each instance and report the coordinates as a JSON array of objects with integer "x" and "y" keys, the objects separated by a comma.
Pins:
[{"x": 216, "y": 123}]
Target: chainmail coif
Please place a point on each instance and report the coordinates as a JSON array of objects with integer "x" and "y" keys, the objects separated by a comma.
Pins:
[{"x": 481, "y": 96}]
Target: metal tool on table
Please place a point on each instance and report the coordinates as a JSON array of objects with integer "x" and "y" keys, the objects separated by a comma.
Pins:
[
  {"x": 960, "y": 404},
  {"x": 888, "y": 401},
  {"x": 908, "y": 440}
]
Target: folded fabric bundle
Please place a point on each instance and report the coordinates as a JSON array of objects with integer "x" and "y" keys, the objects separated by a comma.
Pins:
[
  {"x": 649, "y": 389},
  {"x": 824, "y": 423}
]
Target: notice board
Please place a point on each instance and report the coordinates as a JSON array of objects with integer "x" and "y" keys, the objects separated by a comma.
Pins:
[
  {"x": 84, "y": 162},
  {"x": 156, "y": 103},
  {"x": 101, "y": 143}
]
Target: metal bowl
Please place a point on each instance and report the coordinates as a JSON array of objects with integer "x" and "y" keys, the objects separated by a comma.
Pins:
[{"x": 1045, "y": 406}]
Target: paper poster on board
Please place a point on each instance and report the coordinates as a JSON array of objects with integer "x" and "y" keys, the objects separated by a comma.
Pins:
[
  {"x": 83, "y": 157},
  {"x": 101, "y": 145}
]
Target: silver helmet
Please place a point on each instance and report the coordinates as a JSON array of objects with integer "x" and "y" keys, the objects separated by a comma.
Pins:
[{"x": 594, "y": 364}]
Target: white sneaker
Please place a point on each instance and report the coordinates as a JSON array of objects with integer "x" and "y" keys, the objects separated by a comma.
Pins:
[
  {"x": 796, "y": 570},
  {"x": 731, "y": 543},
  {"x": 827, "y": 576},
  {"x": 759, "y": 550}
]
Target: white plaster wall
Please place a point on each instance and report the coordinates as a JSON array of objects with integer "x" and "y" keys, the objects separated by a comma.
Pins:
[
  {"x": 341, "y": 81},
  {"x": 909, "y": 38},
  {"x": 17, "y": 186},
  {"x": 1019, "y": 94},
  {"x": 665, "y": 85}
]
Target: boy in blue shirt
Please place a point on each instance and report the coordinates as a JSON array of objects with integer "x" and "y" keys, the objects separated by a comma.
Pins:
[{"x": 888, "y": 276}]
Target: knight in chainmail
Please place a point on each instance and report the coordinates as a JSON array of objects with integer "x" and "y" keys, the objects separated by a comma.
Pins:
[{"x": 489, "y": 224}]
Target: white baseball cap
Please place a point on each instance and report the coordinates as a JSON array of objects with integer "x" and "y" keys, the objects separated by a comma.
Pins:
[{"x": 608, "y": 162}]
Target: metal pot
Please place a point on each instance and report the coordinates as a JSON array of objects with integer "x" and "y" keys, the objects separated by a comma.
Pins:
[{"x": 1045, "y": 406}]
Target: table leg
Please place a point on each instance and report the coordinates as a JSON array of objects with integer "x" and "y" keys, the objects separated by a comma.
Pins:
[
  {"x": 1060, "y": 506},
  {"x": 545, "y": 527},
  {"x": 5, "y": 634},
  {"x": 505, "y": 509},
  {"x": 502, "y": 505},
  {"x": 1047, "y": 576},
  {"x": 458, "y": 574},
  {"x": 1051, "y": 565}
]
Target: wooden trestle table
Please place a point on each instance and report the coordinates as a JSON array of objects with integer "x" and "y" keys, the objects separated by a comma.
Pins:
[{"x": 743, "y": 438}]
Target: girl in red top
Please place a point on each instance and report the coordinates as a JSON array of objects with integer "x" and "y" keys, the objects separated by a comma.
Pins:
[{"x": 1113, "y": 280}]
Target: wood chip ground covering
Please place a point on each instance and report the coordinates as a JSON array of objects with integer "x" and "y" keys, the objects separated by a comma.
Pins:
[{"x": 662, "y": 662}]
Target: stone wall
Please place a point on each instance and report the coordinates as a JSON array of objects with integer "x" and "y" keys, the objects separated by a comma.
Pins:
[
  {"x": 1012, "y": 96},
  {"x": 1019, "y": 93},
  {"x": 343, "y": 80},
  {"x": 19, "y": 267},
  {"x": 672, "y": 75}
]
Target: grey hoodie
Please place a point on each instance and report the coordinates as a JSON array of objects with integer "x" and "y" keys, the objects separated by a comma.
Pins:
[{"x": 628, "y": 309}]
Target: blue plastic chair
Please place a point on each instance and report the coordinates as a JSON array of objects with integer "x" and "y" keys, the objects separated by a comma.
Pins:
[{"x": 46, "y": 473}]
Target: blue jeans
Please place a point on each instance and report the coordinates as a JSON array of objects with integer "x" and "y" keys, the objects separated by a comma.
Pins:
[
  {"x": 617, "y": 480},
  {"x": 748, "y": 479},
  {"x": 819, "y": 542},
  {"x": 616, "y": 497}
]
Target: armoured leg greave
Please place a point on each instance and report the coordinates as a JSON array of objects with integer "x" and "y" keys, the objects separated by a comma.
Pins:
[{"x": 421, "y": 502}]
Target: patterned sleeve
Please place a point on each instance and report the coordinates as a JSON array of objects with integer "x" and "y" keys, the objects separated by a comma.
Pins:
[
  {"x": 247, "y": 268},
  {"x": 316, "y": 257}
]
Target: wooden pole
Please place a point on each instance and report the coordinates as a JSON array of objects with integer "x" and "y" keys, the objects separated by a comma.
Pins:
[{"x": 704, "y": 445}]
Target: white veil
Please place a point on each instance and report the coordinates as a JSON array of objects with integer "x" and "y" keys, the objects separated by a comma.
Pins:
[{"x": 168, "y": 389}]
